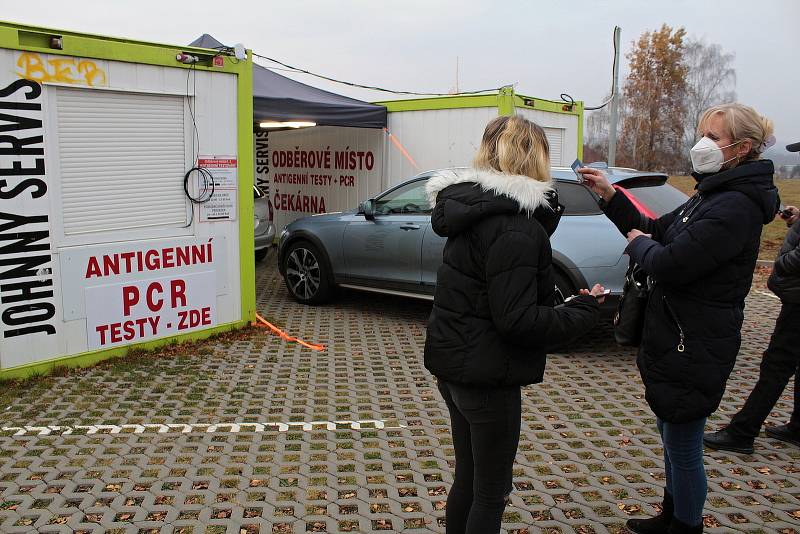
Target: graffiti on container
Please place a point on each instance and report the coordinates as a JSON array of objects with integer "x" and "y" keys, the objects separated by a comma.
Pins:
[{"x": 32, "y": 66}]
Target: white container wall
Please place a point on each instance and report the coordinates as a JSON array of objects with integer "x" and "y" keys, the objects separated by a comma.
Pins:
[
  {"x": 99, "y": 246},
  {"x": 561, "y": 130},
  {"x": 434, "y": 139},
  {"x": 319, "y": 169},
  {"x": 450, "y": 138}
]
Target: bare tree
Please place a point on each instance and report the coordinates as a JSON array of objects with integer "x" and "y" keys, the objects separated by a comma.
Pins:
[
  {"x": 596, "y": 132},
  {"x": 710, "y": 80}
]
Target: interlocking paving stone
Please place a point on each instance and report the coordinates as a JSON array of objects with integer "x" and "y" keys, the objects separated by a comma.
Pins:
[{"x": 589, "y": 455}]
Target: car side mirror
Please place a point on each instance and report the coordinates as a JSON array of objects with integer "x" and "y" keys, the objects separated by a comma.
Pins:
[{"x": 367, "y": 208}]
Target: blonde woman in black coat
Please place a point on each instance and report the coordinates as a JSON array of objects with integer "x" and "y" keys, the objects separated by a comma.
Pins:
[
  {"x": 702, "y": 257},
  {"x": 493, "y": 314}
]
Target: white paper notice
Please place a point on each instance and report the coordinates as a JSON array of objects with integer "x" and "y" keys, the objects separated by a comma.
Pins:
[
  {"x": 222, "y": 204},
  {"x": 222, "y": 168}
]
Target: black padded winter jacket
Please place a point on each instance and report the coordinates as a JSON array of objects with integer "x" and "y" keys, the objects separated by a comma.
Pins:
[
  {"x": 702, "y": 257},
  {"x": 785, "y": 278},
  {"x": 493, "y": 316}
]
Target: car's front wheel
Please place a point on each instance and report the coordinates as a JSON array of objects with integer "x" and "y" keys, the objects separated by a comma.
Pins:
[{"x": 306, "y": 274}]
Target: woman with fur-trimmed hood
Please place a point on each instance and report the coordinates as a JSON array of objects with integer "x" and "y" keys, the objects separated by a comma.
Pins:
[{"x": 493, "y": 316}]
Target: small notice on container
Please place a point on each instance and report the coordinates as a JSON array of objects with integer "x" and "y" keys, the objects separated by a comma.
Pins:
[
  {"x": 222, "y": 168},
  {"x": 222, "y": 205}
]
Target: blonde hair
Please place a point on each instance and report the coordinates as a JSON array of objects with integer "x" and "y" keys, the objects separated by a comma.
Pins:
[
  {"x": 514, "y": 145},
  {"x": 741, "y": 123}
]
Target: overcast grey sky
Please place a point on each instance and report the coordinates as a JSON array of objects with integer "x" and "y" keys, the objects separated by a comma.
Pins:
[{"x": 546, "y": 48}]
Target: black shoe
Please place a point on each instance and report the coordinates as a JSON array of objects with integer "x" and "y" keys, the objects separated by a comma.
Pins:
[
  {"x": 677, "y": 527},
  {"x": 654, "y": 525},
  {"x": 784, "y": 433},
  {"x": 725, "y": 441}
]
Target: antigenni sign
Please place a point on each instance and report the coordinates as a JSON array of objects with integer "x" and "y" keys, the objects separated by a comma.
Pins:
[
  {"x": 138, "y": 292},
  {"x": 148, "y": 309}
]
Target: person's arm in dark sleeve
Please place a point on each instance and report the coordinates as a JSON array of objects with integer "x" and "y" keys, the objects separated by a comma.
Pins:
[
  {"x": 788, "y": 263},
  {"x": 511, "y": 275},
  {"x": 621, "y": 211},
  {"x": 697, "y": 251}
]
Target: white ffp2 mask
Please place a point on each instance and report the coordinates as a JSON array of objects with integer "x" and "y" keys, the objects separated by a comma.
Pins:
[{"x": 707, "y": 156}]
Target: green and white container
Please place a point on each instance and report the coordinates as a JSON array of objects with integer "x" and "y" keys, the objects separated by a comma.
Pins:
[{"x": 101, "y": 250}]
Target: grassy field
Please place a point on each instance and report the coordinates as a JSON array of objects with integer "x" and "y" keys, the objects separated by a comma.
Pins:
[{"x": 772, "y": 237}]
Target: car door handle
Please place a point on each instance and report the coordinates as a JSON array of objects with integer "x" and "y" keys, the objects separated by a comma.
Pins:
[{"x": 410, "y": 226}]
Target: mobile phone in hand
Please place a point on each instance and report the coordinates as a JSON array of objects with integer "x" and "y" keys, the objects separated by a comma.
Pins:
[
  {"x": 785, "y": 214},
  {"x": 577, "y": 164}
]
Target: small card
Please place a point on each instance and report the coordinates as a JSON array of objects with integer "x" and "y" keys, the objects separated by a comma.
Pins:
[{"x": 577, "y": 164}]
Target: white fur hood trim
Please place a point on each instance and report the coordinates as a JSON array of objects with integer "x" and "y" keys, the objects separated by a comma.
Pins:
[{"x": 529, "y": 193}]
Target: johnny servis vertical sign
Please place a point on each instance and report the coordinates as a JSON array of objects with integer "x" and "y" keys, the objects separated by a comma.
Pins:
[{"x": 27, "y": 303}]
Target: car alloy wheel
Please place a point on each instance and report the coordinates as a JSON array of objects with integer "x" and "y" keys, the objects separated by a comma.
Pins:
[{"x": 303, "y": 274}]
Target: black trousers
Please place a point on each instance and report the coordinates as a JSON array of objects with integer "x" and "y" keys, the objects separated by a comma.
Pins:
[
  {"x": 781, "y": 360},
  {"x": 485, "y": 426}
]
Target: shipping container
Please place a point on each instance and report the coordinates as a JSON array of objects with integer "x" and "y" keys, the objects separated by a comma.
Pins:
[
  {"x": 101, "y": 247},
  {"x": 446, "y": 131}
]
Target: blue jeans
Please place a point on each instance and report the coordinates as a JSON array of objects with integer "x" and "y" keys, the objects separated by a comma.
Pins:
[
  {"x": 485, "y": 424},
  {"x": 683, "y": 464}
]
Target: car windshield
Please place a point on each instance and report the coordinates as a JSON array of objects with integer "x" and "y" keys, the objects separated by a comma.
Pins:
[{"x": 661, "y": 199}]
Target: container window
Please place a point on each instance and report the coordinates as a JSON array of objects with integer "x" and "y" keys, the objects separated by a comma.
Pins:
[{"x": 122, "y": 160}]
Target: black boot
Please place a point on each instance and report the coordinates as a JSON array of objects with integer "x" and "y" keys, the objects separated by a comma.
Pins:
[
  {"x": 725, "y": 440},
  {"x": 677, "y": 527},
  {"x": 654, "y": 525},
  {"x": 784, "y": 433}
]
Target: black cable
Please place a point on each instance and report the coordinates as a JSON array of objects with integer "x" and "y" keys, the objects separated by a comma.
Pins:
[
  {"x": 204, "y": 195},
  {"x": 374, "y": 88},
  {"x": 613, "y": 68},
  {"x": 195, "y": 131}
]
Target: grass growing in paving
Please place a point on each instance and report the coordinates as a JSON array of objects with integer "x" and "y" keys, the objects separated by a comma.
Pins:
[
  {"x": 139, "y": 365},
  {"x": 774, "y": 233}
]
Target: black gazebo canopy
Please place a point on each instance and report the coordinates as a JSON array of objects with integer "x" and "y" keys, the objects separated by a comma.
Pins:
[{"x": 278, "y": 98}]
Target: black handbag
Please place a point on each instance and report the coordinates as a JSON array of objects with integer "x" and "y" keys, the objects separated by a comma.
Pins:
[{"x": 629, "y": 318}]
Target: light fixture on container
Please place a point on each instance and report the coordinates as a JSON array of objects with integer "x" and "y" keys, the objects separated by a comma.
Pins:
[{"x": 287, "y": 124}]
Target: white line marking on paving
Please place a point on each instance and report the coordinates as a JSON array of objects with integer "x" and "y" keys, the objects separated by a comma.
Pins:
[
  {"x": 768, "y": 294},
  {"x": 185, "y": 428}
]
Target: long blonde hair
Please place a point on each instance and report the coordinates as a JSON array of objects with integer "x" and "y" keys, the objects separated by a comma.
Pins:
[
  {"x": 742, "y": 123},
  {"x": 514, "y": 145}
]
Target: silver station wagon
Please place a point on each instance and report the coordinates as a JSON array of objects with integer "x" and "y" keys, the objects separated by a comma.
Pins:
[{"x": 387, "y": 245}]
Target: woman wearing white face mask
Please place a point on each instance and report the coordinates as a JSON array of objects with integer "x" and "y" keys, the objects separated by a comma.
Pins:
[{"x": 701, "y": 257}]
